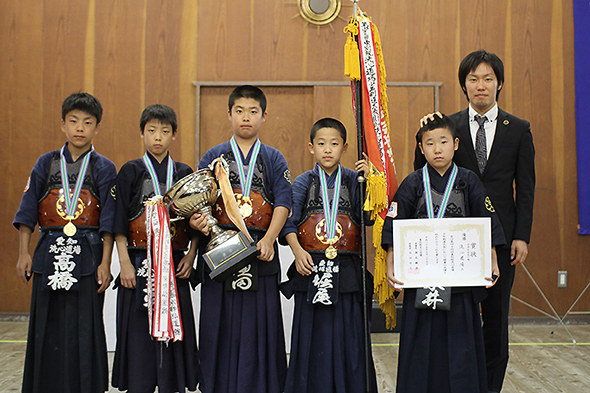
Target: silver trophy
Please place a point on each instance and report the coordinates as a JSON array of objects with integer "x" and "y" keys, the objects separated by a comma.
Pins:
[
  {"x": 228, "y": 251},
  {"x": 197, "y": 193}
]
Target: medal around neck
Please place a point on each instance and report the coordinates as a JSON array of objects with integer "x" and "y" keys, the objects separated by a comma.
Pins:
[
  {"x": 71, "y": 201},
  {"x": 330, "y": 220},
  {"x": 227, "y": 251},
  {"x": 246, "y": 210},
  {"x": 70, "y": 229},
  {"x": 245, "y": 205},
  {"x": 331, "y": 252}
]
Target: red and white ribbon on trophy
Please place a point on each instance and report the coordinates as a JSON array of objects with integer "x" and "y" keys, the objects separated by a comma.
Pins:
[{"x": 163, "y": 312}]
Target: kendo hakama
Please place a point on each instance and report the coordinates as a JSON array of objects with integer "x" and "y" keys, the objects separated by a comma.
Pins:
[
  {"x": 66, "y": 344},
  {"x": 141, "y": 362},
  {"x": 443, "y": 351},
  {"x": 328, "y": 343},
  {"x": 241, "y": 334},
  {"x": 242, "y": 341}
]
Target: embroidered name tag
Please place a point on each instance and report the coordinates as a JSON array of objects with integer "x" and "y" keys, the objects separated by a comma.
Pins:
[
  {"x": 323, "y": 287},
  {"x": 65, "y": 251}
]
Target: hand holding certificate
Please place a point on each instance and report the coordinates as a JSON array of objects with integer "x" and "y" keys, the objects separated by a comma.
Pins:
[{"x": 442, "y": 252}]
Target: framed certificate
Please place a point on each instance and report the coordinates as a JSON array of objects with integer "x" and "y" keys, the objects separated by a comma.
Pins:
[{"x": 443, "y": 252}]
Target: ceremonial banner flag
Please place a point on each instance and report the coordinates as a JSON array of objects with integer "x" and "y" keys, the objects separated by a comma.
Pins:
[{"x": 364, "y": 63}]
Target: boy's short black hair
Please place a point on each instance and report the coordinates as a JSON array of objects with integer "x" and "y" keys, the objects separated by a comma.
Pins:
[
  {"x": 84, "y": 102},
  {"x": 163, "y": 113},
  {"x": 438, "y": 122},
  {"x": 247, "y": 91},
  {"x": 328, "y": 122},
  {"x": 473, "y": 60}
]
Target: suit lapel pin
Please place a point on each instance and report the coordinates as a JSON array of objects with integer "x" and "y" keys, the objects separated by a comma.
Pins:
[{"x": 506, "y": 122}]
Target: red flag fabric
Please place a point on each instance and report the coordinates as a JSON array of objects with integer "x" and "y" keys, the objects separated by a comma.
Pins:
[{"x": 382, "y": 183}]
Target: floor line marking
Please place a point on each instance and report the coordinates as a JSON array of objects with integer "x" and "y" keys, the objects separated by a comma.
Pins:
[{"x": 511, "y": 344}]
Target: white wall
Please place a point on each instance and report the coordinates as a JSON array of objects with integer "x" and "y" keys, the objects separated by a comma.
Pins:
[{"x": 110, "y": 309}]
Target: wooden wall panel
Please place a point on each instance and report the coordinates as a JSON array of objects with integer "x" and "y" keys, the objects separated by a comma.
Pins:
[
  {"x": 162, "y": 62},
  {"x": 62, "y": 58},
  {"x": 277, "y": 45},
  {"x": 131, "y": 54},
  {"x": 335, "y": 102},
  {"x": 224, "y": 47},
  {"x": 21, "y": 97},
  {"x": 289, "y": 113},
  {"x": 120, "y": 77}
]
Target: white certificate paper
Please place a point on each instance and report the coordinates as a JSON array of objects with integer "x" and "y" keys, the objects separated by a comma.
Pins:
[{"x": 443, "y": 252}]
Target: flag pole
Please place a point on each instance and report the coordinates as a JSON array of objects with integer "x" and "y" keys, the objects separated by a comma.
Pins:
[{"x": 362, "y": 189}]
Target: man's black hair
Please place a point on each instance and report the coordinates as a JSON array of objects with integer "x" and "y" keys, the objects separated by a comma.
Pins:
[{"x": 473, "y": 60}]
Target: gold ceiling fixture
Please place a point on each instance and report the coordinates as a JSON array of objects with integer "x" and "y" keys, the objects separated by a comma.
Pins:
[{"x": 319, "y": 12}]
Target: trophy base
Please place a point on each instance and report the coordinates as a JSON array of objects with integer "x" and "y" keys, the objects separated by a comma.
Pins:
[{"x": 230, "y": 256}]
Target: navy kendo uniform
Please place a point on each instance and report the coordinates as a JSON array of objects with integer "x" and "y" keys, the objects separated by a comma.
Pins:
[
  {"x": 66, "y": 345},
  {"x": 242, "y": 343},
  {"x": 142, "y": 363},
  {"x": 442, "y": 351},
  {"x": 327, "y": 345}
]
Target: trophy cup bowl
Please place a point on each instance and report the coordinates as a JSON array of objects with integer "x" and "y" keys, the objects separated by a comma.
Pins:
[
  {"x": 228, "y": 251},
  {"x": 197, "y": 193}
]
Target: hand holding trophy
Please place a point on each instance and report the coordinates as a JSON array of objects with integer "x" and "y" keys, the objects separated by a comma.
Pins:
[{"x": 227, "y": 250}]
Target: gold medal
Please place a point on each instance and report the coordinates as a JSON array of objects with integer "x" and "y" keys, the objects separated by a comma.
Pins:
[
  {"x": 70, "y": 229},
  {"x": 331, "y": 252},
  {"x": 246, "y": 210}
]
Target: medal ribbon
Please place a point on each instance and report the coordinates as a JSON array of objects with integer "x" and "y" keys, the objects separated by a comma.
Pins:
[
  {"x": 154, "y": 176},
  {"x": 330, "y": 213},
  {"x": 164, "y": 315},
  {"x": 245, "y": 179},
  {"x": 428, "y": 192},
  {"x": 71, "y": 201}
]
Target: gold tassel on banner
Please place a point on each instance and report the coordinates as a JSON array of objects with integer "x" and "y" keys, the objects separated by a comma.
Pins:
[
  {"x": 376, "y": 193},
  {"x": 352, "y": 65},
  {"x": 385, "y": 294},
  {"x": 376, "y": 202}
]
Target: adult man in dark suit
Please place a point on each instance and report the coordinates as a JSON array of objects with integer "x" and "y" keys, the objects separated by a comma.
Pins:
[{"x": 499, "y": 148}]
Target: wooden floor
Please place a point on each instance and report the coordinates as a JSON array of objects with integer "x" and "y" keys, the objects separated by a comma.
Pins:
[{"x": 539, "y": 361}]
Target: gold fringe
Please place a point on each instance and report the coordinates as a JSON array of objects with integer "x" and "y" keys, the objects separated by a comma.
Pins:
[
  {"x": 376, "y": 202},
  {"x": 385, "y": 293}
]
